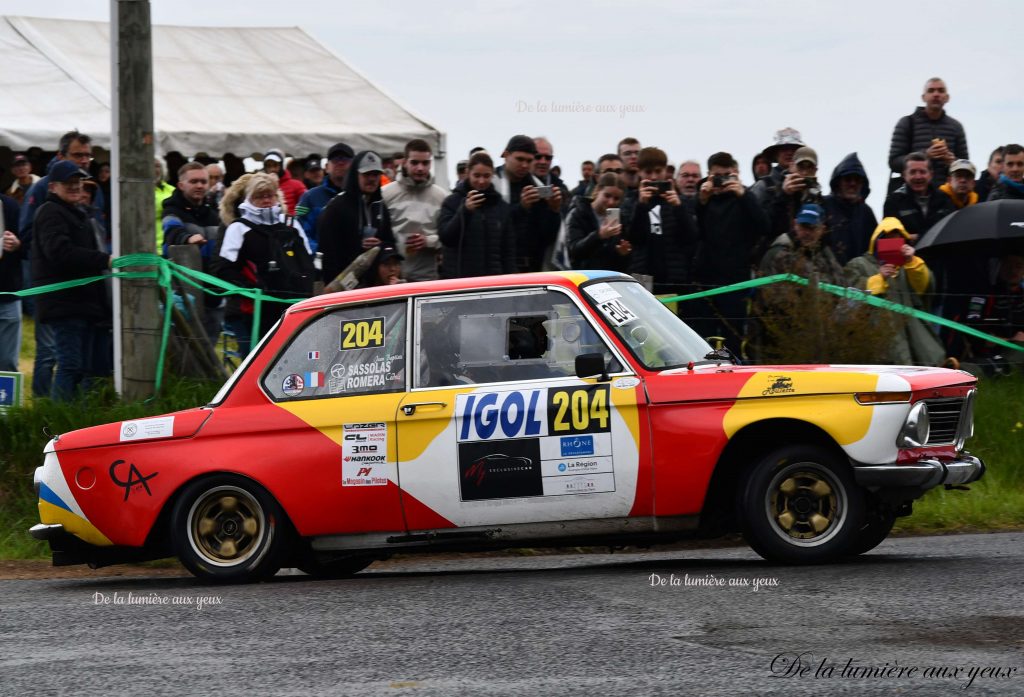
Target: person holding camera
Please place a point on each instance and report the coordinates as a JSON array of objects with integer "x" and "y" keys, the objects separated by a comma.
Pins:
[
  {"x": 799, "y": 187},
  {"x": 731, "y": 225},
  {"x": 475, "y": 226},
  {"x": 535, "y": 206},
  {"x": 595, "y": 231},
  {"x": 661, "y": 231}
]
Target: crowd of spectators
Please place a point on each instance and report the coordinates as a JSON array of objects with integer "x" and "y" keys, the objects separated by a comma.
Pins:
[{"x": 679, "y": 229}]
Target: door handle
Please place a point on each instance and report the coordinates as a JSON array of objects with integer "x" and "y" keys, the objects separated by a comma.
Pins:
[{"x": 410, "y": 409}]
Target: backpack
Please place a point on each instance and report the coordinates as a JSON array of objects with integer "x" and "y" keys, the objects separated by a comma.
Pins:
[{"x": 288, "y": 270}]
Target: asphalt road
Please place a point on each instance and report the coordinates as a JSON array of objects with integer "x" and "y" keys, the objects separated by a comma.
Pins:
[{"x": 542, "y": 625}]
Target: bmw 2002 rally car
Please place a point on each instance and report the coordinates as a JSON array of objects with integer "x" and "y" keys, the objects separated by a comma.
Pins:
[{"x": 543, "y": 409}]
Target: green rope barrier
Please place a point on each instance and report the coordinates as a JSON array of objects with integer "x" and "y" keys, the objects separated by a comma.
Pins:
[
  {"x": 167, "y": 271},
  {"x": 851, "y": 294}
]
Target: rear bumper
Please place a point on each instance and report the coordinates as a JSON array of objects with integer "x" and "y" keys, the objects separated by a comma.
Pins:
[
  {"x": 68, "y": 549},
  {"x": 924, "y": 474}
]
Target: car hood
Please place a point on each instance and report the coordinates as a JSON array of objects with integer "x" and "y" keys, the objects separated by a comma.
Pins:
[
  {"x": 182, "y": 424},
  {"x": 711, "y": 382}
]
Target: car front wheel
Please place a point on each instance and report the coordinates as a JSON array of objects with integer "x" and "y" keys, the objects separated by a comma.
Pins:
[
  {"x": 227, "y": 529},
  {"x": 800, "y": 505}
]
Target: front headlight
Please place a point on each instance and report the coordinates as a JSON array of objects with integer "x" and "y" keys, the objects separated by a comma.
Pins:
[{"x": 914, "y": 433}]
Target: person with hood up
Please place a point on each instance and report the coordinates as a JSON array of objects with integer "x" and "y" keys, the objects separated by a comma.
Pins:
[
  {"x": 356, "y": 219},
  {"x": 848, "y": 219},
  {"x": 291, "y": 188},
  {"x": 413, "y": 203},
  {"x": 906, "y": 283},
  {"x": 249, "y": 207},
  {"x": 475, "y": 226}
]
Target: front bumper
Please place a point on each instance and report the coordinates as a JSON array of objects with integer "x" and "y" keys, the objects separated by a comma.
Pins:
[{"x": 924, "y": 474}]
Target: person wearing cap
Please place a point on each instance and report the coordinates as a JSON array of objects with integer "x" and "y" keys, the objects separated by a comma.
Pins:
[
  {"x": 311, "y": 205},
  {"x": 960, "y": 187},
  {"x": 413, "y": 203},
  {"x": 356, "y": 219},
  {"x": 1011, "y": 182},
  {"x": 21, "y": 168},
  {"x": 291, "y": 188},
  {"x": 11, "y": 254},
  {"x": 848, "y": 219},
  {"x": 917, "y": 202},
  {"x": 535, "y": 221},
  {"x": 800, "y": 186},
  {"x": 313, "y": 174},
  {"x": 74, "y": 147},
  {"x": 787, "y": 142},
  {"x": 908, "y": 283},
  {"x": 386, "y": 269},
  {"x": 65, "y": 248},
  {"x": 929, "y": 130},
  {"x": 803, "y": 251}
]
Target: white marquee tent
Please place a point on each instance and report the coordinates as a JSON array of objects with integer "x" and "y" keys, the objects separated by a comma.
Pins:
[{"x": 215, "y": 89}]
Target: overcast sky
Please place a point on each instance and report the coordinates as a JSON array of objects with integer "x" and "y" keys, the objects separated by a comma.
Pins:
[{"x": 689, "y": 77}]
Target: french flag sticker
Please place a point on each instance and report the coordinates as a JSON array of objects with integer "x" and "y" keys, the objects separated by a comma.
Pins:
[
  {"x": 314, "y": 379},
  {"x": 313, "y": 355}
]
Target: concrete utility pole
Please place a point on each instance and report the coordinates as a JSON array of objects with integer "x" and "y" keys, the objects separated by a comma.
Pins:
[{"x": 137, "y": 319}]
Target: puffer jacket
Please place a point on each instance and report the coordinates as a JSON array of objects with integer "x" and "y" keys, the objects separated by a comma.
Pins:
[
  {"x": 1006, "y": 188},
  {"x": 586, "y": 248},
  {"x": 536, "y": 227},
  {"x": 292, "y": 189},
  {"x": 915, "y": 132},
  {"x": 480, "y": 242}
]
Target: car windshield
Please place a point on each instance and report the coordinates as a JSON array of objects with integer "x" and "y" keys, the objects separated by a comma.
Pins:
[{"x": 652, "y": 332}]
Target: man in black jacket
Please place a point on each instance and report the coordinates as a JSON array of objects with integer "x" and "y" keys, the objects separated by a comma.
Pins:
[
  {"x": 536, "y": 207},
  {"x": 356, "y": 219},
  {"x": 849, "y": 221},
  {"x": 918, "y": 203},
  {"x": 65, "y": 248},
  {"x": 929, "y": 130},
  {"x": 11, "y": 282},
  {"x": 731, "y": 226},
  {"x": 189, "y": 219},
  {"x": 1011, "y": 182}
]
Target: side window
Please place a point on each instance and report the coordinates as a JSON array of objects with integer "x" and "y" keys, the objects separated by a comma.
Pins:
[
  {"x": 527, "y": 335},
  {"x": 354, "y": 350}
]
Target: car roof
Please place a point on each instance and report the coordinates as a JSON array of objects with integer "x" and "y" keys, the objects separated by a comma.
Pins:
[{"x": 568, "y": 279}]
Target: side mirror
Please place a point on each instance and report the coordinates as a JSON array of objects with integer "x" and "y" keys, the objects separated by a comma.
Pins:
[{"x": 590, "y": 364}]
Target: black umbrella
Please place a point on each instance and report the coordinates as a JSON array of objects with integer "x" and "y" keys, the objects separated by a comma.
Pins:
[{"x": 994, "y": 220}]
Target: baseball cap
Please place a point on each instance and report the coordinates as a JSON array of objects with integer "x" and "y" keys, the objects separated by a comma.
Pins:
[
  {"x": 805, "y": 154},
  {"x": 371, "y": 162},
  {"x": 62, "y": 170},
  {"x": 957, "y": 166},
  {"x": 19, "y": 158},
  {"x": 274, "y": 156},
  {"x": 810, "y": 214},
  {"x": 521, "y": 143},
  {"x": 387, "y": 253},
  {"x": 340, "y": 150},
  {"x": 313, "y": 164}
]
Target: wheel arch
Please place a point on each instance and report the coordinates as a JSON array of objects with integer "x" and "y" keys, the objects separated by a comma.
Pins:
[{"x": 719, "y": 513}]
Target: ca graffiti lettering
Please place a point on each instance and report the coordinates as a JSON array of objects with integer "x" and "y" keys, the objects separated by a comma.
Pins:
[{"x": 135, "y": 478}]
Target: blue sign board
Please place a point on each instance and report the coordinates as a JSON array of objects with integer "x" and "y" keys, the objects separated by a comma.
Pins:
[{"x": 10, "y": 390}]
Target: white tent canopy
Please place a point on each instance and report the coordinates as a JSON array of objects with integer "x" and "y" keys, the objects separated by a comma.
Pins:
[{"x": 215, "y": 89}]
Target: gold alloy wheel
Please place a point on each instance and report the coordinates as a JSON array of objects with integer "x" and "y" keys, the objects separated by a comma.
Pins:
[
  {"x": 226, "y": 525},
  {"x": 806, "y": 504}
]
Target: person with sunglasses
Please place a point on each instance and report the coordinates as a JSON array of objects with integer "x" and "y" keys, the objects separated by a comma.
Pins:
[
  {"x": 542, "y": 170},
  {"x": 65, "y": 248}
]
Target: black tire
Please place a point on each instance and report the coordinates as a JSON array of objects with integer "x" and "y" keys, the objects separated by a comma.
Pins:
[
  {"x": 877, "y": 526},
  {"x": 800, "y": 505},
  {"x": 334, "y": 568},
  {"x": 227, "y": 529}
]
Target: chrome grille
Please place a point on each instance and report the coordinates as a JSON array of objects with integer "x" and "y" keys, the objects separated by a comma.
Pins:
[{"x": 944, "y": 418}]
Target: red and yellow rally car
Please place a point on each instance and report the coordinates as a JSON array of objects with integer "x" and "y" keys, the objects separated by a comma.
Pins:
[{"x": 543, "y": 409}]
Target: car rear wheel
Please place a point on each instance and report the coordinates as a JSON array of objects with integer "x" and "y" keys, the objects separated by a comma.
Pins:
[
  {"x": 800, "y": 505},
  {"x": 227, "y": 529}
]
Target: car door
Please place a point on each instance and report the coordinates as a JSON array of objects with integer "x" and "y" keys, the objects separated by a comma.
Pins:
[
  {"x": 498, "y": 430},
  {"x": 343, "y": 375}
]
